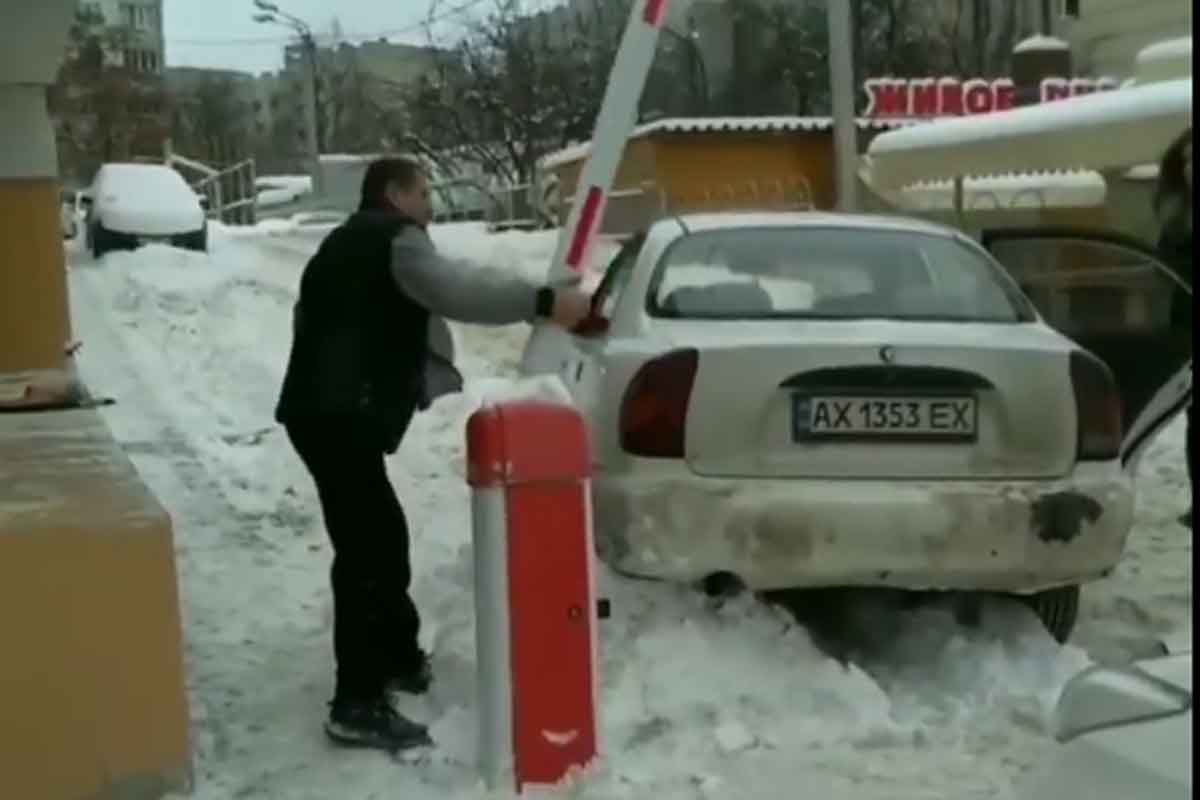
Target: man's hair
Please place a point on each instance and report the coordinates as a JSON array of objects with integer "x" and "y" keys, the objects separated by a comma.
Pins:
[
  {"x": 381, "y": 172},
  {"x": 1172, "y": 185}
]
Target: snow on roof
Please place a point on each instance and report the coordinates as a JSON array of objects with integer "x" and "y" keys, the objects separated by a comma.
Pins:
[
  {"x": 1143, "y": 172},
  {"x": 1171, "y": 48},
  {"x": 723, "y": 125},
  {"x": 1040, "y": 43},
  {"x": 1106, "y": 130},
  {"x": 1164, "y": 61}
]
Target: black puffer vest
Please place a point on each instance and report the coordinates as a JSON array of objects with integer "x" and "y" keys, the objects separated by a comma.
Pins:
[{"x": 360, "y": 344}]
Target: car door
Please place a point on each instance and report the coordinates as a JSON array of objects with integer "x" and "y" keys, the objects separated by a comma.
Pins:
[
  {"x": 1116, "y": 297},
  {"x": 583, "y": 369}
]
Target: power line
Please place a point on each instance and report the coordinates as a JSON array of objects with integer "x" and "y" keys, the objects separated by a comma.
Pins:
[{"x": 449, "y": 13}]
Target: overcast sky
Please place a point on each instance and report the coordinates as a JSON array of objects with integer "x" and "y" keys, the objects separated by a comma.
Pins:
[{"x": 221, "y": 33}]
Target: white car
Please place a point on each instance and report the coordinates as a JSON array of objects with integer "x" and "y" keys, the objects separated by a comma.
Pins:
[
  {"x": 69, "y": 210},
  {"x": 133, "y": 204},
  {"x": 804, "y": 400},
  {"x": 1124, "y": 732}
]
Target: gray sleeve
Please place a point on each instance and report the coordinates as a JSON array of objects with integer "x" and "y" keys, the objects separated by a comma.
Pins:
[{"x": 459, "y": 290}]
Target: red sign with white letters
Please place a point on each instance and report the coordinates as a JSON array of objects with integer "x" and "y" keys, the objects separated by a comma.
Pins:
[{"x": 951, "y": 97}]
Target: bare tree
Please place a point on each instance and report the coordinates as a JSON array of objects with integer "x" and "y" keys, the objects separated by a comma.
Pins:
[
  {"x": 517, "y": 86},
  {"x": 980, "y": 36},
  {"x": 212, "y": 121}
]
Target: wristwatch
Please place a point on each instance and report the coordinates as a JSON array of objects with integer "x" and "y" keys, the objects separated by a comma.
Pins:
[{"x": 544, "y": 304}]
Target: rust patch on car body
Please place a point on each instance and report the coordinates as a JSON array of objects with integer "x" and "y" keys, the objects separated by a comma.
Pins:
[{"x": 1059, "y": 517}]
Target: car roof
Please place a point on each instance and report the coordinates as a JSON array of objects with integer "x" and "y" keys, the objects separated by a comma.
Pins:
[{"x": 709, "y": 221}]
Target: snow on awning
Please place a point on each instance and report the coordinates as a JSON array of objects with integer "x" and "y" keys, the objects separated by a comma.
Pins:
[
  {"x": 723, "y": 125},
  {"x": 1119, "y": 128},
  {"x": 1164, "y": 61}
]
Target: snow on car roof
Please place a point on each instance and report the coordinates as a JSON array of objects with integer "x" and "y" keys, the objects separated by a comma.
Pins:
[
  {"x": 152, "y": 177},
  {"x": 149, "y": 183},
  {"x": 809, "y": 219}
]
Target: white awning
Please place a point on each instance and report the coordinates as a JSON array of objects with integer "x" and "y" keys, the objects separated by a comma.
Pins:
[
  {"x": 1042, "y": 190},
  {"x": 1106, "y": 130}
]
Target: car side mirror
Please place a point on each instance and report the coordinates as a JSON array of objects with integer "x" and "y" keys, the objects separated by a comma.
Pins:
[
  {"x": 85, "y": 202},
  {"x": 204, "y": 204}
]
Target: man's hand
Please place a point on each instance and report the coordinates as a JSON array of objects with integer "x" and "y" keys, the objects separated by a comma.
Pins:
[{"x": 571, "y": 307}]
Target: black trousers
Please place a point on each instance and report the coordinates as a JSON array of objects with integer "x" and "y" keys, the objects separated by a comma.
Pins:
[{"x": 375, "y": 621}]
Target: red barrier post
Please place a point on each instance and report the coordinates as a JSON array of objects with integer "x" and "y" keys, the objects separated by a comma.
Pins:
[{"x": 529, "y": 466}]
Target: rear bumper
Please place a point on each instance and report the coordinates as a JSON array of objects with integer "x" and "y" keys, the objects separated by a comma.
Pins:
[{"x": 776, "y": 534}]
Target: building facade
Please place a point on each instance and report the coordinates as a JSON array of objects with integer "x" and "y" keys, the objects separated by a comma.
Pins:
[{"x": 140, "y": 44}]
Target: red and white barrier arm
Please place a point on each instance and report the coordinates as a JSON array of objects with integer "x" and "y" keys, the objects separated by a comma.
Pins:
[{"x": 616, "y": 120}]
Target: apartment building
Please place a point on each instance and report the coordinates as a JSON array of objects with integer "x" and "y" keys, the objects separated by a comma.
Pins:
[{"x": 141, "y": 44}]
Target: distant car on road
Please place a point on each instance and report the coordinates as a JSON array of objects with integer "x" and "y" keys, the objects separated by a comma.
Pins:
[
  {"x": 129, "y": 205},
  {"x": 805, "y": 400},
  {"x": 1124, "y": 732}
]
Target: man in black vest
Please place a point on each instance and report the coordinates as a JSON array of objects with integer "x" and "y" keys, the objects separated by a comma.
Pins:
[{"x": 370, "y": 349}]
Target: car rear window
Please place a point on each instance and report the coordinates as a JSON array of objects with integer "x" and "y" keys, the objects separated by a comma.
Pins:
[{"x": 832, "y": 273}]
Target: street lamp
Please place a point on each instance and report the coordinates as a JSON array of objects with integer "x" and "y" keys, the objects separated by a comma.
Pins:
[{"x": 272, "y": 14}]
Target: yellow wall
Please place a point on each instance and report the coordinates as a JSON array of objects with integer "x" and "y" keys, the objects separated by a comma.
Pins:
[
  {"x": 33, "y": 311},
  {"x": 91, "y": 670},
  {"x": 91, "y": 673},
  {"x": 693, "y": 166}
]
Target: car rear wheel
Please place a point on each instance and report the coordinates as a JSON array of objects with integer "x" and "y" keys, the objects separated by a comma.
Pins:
[
  {"x": 196, "y": 240},
  {"x": 1058, "y": 610}
]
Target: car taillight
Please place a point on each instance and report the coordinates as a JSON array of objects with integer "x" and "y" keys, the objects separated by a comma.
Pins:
[
  {"x": 1097, "y": 408},
  {"x": 653, "y": 419}
]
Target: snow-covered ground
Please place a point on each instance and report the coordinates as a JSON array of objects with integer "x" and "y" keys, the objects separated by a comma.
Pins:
[{"x": 698, "y": 701}]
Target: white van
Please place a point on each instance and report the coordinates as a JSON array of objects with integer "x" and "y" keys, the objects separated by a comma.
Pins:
[{"x": 130, "y": 205}]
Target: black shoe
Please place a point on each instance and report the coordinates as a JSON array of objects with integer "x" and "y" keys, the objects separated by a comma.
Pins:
[
  {"x": 374, "y": 725},
  {"x": 415, "y": 679}
]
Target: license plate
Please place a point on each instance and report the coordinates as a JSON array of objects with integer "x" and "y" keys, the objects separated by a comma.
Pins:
[{"x": 937, "y": 418}]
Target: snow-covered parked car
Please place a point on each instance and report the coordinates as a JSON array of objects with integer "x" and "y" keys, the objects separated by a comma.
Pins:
[
  {"x": 804, "y": 400},
  {"x": 134, "y": 204},
  {"x": 1123, "y": 732}
]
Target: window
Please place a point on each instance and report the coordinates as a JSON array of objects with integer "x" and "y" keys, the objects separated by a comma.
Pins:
[
  {"x": 1070, "y": 8},
  {"x": 813, "y": 272},
  {"x": 617, "y": 276},
  {"x": 1086, "y": 288},
  {"x": 129, "y": 15}
]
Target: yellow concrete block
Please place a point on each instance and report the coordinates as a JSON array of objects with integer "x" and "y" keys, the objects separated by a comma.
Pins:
[
  {"x": 91, "y": 669},
  {"x": 34, "y": 323}
]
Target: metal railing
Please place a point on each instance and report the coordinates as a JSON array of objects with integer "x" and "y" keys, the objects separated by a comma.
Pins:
[{"x": 231, "y": 193}]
